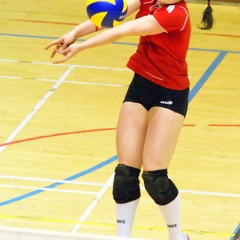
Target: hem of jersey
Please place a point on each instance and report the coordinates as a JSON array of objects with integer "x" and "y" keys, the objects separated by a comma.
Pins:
[{"x": 158, "y": 82}]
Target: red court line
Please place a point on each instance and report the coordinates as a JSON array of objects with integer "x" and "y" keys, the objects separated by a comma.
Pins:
[
  {"x": 41, "y": 21},
  {"x": 66, "y": 133},
  {"x": 224, "y": 125},
  {"x": 219, "y": 35},
  {"x": 189, "y": 125},
  {"x": 55, "y": 135}
]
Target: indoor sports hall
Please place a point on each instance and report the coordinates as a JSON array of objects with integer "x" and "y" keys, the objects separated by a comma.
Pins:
[{"x": 58, "y": 126}]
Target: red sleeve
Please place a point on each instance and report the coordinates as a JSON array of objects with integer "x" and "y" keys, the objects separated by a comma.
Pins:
[{"x": 171, "y": 18}]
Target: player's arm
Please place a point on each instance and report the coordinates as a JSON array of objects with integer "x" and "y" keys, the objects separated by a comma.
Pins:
[
  {"x": 133, "y": 6},
  {"x": 69, "y": 38},
  {"x": 84, "y": 29},
  {"x": 147, "y": 25}
]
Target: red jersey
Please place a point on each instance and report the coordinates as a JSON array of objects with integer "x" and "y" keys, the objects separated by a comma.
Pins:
[{"x": 161, "y": 58}]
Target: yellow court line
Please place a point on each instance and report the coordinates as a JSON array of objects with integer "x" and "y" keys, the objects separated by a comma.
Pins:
[{"x": 99, "y": 224}]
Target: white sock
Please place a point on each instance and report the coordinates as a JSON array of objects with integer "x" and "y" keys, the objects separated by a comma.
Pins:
[
  {"x": 172, "y": 216},
  {"x": 125, "y": 216}
]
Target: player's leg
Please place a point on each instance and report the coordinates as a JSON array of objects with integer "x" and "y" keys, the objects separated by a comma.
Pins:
[
  {"x": 162, "y": 134},
  {"x": 131, "y": 132}
]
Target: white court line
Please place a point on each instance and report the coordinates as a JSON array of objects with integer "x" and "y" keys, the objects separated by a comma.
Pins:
[
  {"x": 219, "y": 194},
  {"x": 70, "y": 82},
  {"x": 80, "y": 66},
  {"x": 37, "y": 107},
  {"x": 83, "y": 83},
  {"x": 8, "y": 60},
  {"x": 11, "y": 77},
  {"x": 47, "y": 189},
  {"x": 93, "y": 204},
  {"x": 51, "y": 180},
  {"x": 102, "y": 185},
  {"x": 64, "y": 64},
  {"x": 13, "y": 233}
]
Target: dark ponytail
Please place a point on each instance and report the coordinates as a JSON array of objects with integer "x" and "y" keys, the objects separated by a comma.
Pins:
[{"x": 207, "y": 20}]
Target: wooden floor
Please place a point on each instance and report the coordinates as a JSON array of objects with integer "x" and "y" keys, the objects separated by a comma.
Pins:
[{"x": 57, "y": 127}]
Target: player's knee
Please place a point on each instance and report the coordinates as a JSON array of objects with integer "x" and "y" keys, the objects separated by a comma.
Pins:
[
  {"x": 161, "y": 189},
  {"x": 126, "y": 184}
]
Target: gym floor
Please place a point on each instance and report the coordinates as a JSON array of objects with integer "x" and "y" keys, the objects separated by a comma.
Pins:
[{"x": 58, "y": 122}]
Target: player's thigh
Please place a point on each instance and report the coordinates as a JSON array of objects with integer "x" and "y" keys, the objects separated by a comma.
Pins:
[
  {"x": 131, "y": 130},
  {"x": 161, "y": 138}
]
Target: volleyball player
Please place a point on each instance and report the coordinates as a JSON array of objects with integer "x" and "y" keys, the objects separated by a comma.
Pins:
[{"x": 154, "y": 107}]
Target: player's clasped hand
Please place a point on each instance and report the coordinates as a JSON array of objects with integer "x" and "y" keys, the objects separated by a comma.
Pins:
[{"x": 61, "y": 47}]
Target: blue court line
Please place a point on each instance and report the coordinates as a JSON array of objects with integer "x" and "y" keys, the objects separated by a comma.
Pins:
[
  {"x": 119, "y": 43},
  {"x": 80, "y": 174},
  {"x": 236, "y": 230},
  {"x": 206, "y": 75},
  {"x": 192, "y": 94},
  {"x": 25, "y": 36}
]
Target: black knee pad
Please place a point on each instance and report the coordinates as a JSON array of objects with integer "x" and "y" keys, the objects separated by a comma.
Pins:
[
  {"x": 161, "y": 189},
  {"x": 126, "y": 184}
]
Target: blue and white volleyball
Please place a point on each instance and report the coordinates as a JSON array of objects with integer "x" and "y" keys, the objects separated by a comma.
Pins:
[{"x": 106, "y": 13}]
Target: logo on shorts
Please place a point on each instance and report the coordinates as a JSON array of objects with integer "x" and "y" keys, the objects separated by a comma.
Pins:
[{"x": 167, "y": 102}]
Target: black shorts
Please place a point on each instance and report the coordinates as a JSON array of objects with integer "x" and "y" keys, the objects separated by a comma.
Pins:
[{"x": 151, "y": 95}]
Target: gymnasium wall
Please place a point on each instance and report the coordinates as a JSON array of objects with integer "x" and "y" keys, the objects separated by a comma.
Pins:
[
  {"x": 219, "y": 1},
  {"x": 228, "y": 1}
]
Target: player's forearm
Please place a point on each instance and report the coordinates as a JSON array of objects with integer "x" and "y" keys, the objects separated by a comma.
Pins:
[
  {"x": 103, "y": 38},
  {"x": 84, "y": 29}
]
